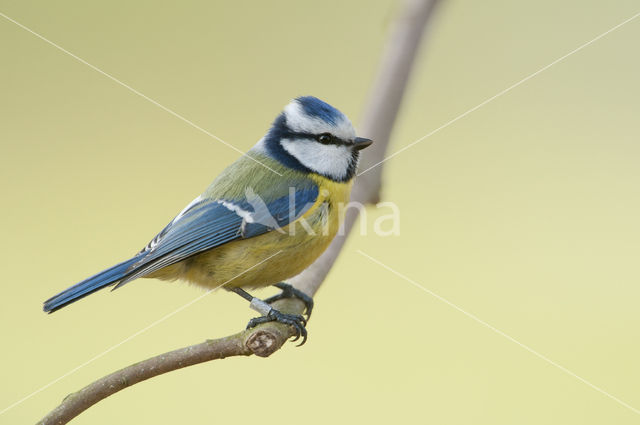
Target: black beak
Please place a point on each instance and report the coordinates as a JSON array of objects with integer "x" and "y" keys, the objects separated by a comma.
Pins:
[{"x": 360, "y": 143}]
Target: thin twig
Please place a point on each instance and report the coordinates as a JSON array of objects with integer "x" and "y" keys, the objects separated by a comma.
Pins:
[
  {"x": 377, "y": 123},
  {"x": 264, "y": 340}
]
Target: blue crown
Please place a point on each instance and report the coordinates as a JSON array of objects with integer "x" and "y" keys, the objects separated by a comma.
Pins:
[{"x": 316, "y": 108}]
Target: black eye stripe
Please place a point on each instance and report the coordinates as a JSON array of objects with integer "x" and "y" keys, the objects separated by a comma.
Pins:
[{"x": 334, "y": 140}]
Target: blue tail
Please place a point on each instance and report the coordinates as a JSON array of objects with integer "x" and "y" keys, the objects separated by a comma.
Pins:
[{"x": 90, "y": 285}]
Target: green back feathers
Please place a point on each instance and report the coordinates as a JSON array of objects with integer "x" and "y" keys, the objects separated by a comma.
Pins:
[{"x": 245, "y": 173}]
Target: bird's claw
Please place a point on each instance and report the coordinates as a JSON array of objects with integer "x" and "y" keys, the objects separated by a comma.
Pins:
[
  {"x": 297, "y": 321},
  {"x": 289, "y": 291}
]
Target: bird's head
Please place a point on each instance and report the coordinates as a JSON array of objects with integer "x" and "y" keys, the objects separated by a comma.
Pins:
[{"x": 313, "y": 136}]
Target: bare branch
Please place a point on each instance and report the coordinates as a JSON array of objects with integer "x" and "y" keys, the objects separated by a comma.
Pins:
[
  {"x": 377, "y": 122},
  {"x": 264, "y": 340}
]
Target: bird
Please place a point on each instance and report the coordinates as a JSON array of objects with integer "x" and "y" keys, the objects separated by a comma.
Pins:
[{"x": 263, "y": 220}]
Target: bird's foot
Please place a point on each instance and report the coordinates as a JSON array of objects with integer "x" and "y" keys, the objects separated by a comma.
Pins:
[
  {"x": 289, "y": 291},
  {"x": 298, "y": 322}
]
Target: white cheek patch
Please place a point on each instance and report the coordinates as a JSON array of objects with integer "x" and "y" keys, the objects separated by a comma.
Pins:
[
  {"x": 299, "y": 121},
  {"x": 329, "y": 160}
]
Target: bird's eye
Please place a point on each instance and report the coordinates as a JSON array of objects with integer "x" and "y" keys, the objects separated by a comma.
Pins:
[{"x": 325, "y": 138}]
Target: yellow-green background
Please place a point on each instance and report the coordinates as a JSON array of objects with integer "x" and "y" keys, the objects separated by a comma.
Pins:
[{"x": 524, "y": 213}]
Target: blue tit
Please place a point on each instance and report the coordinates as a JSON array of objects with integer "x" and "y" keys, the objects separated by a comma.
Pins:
[{"x": 264, "y": 219}]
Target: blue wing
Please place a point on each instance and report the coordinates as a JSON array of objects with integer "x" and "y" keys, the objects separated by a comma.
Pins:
[
  {"x": 203, "y": 225},
  {"x": 207, "y": 224}
]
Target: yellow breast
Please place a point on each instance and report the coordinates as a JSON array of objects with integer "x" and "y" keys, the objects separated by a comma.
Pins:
[{"x": 274, "y": 256}]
